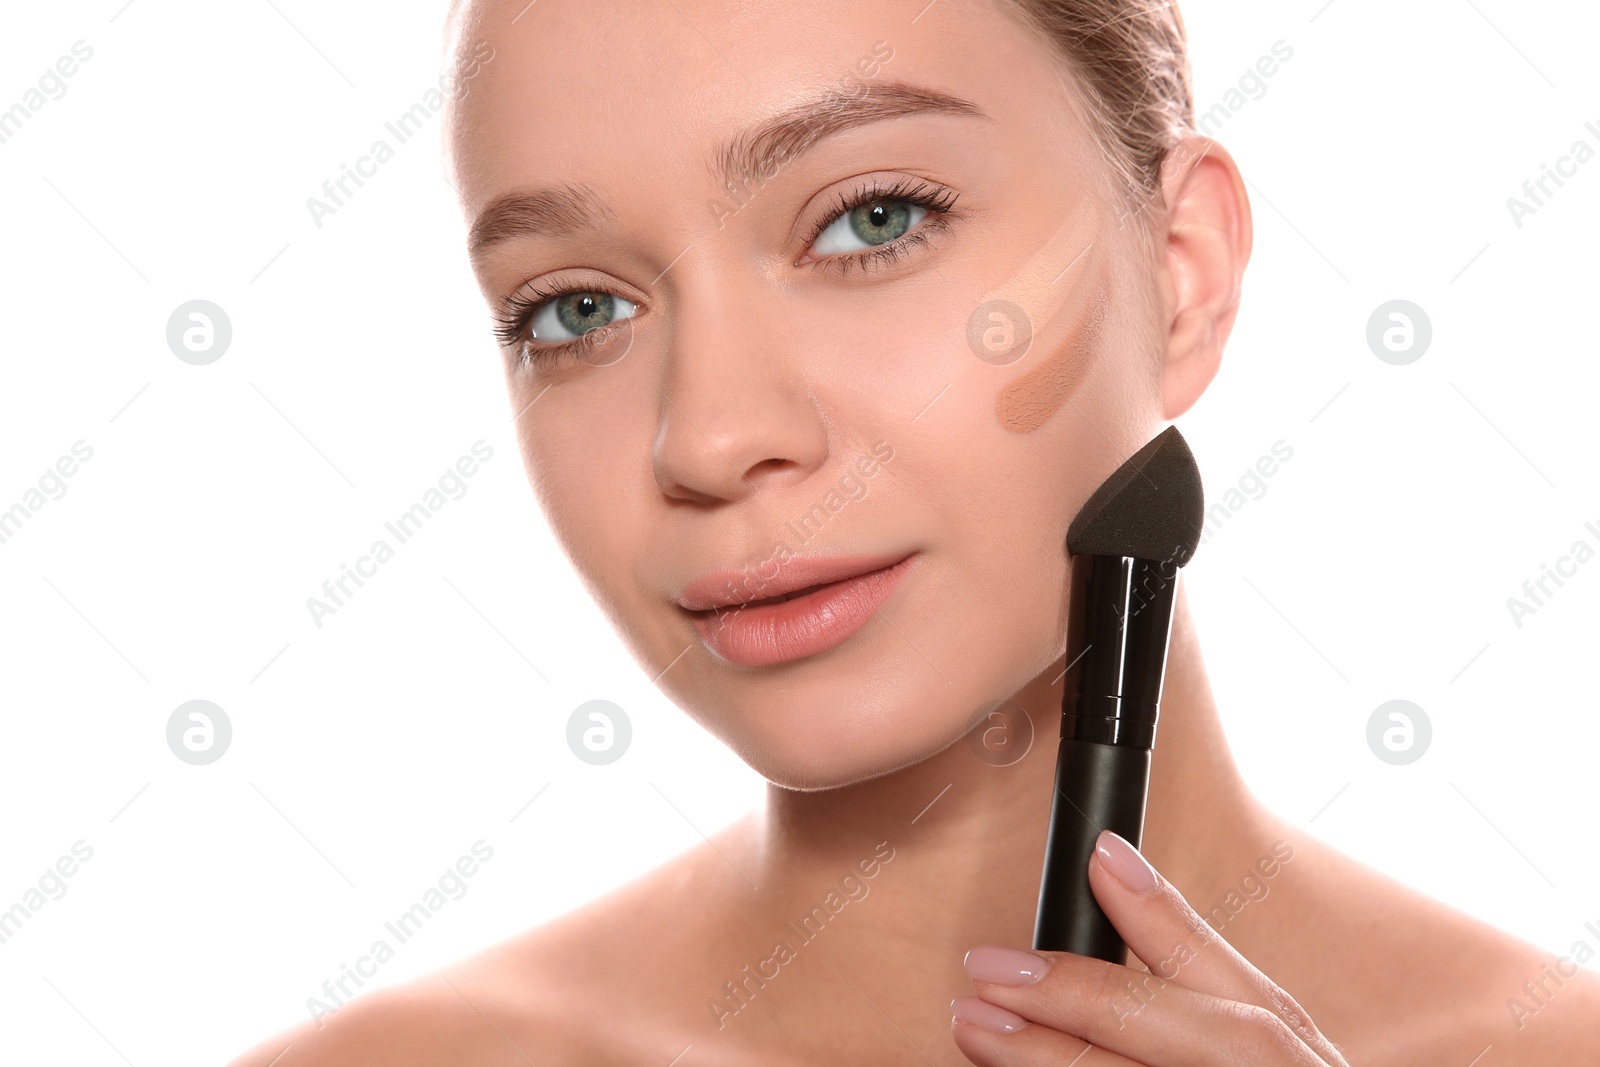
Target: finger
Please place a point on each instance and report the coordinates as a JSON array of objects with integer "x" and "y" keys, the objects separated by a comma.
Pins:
[
  {"x": 986, "y": 1035},
  {"x": 1176, "y": 944},
  {"x": 1176, "y": 1027}
]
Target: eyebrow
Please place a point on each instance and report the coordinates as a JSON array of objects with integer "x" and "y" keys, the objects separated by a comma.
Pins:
[{"x": 754, "y": 154}]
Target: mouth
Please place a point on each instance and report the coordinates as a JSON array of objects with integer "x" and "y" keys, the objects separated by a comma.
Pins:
[
  {"x": 801, "y": 621},
  {"x": 782, "y": 597},
  {"x": 796, "y": 576}
]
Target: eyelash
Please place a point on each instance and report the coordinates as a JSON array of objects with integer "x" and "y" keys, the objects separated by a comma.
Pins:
[
  {"x": 520, "y": 309},
  {"x": 512, "y": 321},
  {"x": 938, "y": 200}
]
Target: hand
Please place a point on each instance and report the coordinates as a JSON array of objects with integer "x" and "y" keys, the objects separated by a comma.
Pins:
[{"x": 1201, "y": 1004}]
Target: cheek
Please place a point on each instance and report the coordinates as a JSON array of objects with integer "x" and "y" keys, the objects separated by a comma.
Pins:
[
  {"x": 1009, "y": 454},
  {"x": 585, "y": 483},
  {"x": 873, "y": 367},
  {"x": 1027, "y": 403}
]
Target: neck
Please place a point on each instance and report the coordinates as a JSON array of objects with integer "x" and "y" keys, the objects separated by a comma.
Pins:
[{"x": 968, "y": 835}]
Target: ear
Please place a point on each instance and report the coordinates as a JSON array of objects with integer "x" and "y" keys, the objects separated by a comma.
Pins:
[{"x": 1207, "y": 244}]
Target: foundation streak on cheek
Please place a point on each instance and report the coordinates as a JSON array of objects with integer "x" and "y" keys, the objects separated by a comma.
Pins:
[{"x": 1027, "y": 403}]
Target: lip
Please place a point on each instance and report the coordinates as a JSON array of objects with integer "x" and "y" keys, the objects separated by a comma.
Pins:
[
  {"x": 729, "y": 588},
  {"x": 838, "y": 596}
]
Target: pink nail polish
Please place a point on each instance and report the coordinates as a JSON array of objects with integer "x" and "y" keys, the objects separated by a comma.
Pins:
[
  {"x": 1125, "y": 863},
  {"x": 981, "y": 1013},
  {"x": 1004, "y": 966}
]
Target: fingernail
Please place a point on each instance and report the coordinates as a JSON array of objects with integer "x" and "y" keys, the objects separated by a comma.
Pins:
[
  {"x": 980, "y": 1012},
  {"x": 1124, "y": 862},
  {"x": 1004, "y": 966}
]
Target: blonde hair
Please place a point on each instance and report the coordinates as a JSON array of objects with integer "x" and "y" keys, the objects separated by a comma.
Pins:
[{"x": 1132, "y": 62}]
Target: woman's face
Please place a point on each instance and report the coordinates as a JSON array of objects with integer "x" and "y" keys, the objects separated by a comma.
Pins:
[{"x": 778, "y": 379}]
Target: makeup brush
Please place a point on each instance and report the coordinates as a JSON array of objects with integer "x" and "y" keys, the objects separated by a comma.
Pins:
[{"x": 1129, "y": 540}]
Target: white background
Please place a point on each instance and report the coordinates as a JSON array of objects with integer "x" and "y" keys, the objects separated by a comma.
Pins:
[{"x": 369, "y": 754}]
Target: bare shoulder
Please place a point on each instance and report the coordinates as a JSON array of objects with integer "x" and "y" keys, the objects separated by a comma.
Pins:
[
  {"x": 415, "y": 1023},
  {"x": 551, "y": 995},
  {"x": 1393, "y": 975},
  {"x": 1558, "y": 1026},
  {"x": 511, "y": 1004},
  {"x": 1511, "y": 1002}
]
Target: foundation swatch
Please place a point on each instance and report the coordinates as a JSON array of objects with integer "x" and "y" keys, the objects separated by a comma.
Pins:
[
  {"x": 1043, "y": 292},
  {"x": 1027, "y": 403}
]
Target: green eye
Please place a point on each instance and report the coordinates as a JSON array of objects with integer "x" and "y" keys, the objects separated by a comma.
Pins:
[
  {"x": 571, "y": 315},
  {"x": 873, "y": 223}
]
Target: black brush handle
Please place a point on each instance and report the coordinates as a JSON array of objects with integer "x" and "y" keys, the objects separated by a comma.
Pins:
[{"x": 1098, "y": 787}]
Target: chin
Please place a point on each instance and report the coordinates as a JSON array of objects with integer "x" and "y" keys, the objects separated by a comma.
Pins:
[
  {"x": 891, "y": 696},
  {"x": 814, "y": 738},
  {"x": 819, "y": 769}
]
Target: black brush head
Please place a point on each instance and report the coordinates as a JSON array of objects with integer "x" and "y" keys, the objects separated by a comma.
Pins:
[{"x": 1152, "y": 507}]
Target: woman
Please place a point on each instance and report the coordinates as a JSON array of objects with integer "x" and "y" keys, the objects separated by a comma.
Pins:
[{"x": 872, "y": 296}]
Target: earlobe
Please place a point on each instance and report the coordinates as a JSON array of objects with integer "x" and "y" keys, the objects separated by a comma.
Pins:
[{"x": 1208, "y": 236}]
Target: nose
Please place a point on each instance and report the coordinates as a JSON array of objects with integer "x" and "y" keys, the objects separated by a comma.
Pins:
[{"x": 737, "y": 411}]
